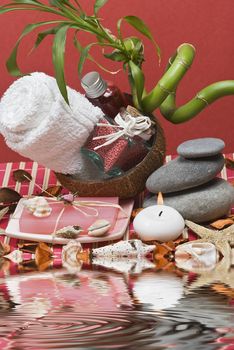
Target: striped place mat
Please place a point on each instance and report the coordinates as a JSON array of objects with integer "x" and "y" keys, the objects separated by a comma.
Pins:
[{"x": 45, "y": 178}]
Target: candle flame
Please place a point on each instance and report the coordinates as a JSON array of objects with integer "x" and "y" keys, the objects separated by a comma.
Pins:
[{"x": 160, "y": 199}]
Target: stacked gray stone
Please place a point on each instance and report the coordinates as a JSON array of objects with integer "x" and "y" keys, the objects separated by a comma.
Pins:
[{"x": 189, "y": 183}]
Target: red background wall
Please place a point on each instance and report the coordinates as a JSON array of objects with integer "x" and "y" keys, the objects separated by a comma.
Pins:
[{"x": 207, "y": 24}]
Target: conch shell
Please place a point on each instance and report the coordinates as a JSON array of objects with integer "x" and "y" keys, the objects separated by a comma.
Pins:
[
  {"x": 38, "y": 206},
  {"x": 99, "y": 228},
  {"x": 134, "y": 248}
]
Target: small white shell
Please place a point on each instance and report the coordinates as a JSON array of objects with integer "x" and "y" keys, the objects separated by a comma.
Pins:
[
  {"x": 69, "y": 256},
  {"x": 70, "y": 232},
  {"x": 196, "y": 257},
  {"x": 99, "y": 228},
  {"x": 38, "y": 206}
]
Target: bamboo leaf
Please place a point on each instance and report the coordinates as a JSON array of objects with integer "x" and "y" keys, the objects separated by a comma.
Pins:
[
  {"x": 28, "y": 2},
  {"x": 119, "y": 23},
  {"x": 117, "y": 56},
  {"x": 138, "y": 79},
  {"x": 36, "y": 7},
  {"x": 42, "y": 35},
  {"x": 4, "y": 10},
  {"x": 98, "y": 4},
  {"x": 89, "y": 57},
  {"x": 84, "y": 52},
  {"x": 12, "y": 65},
  {"x": 141, "y": 27},
  {"x": 58, "y": 59}
]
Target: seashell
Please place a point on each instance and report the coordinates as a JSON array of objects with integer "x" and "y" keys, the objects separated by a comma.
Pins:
[
  {"x": 70, "y": 232},
  {"x": 134, "y": 248},
  {"x": 99, "y": 228},
  {"x": 196, "y": 256},
  {"x": 130, "y": 265},
  {"x": 38, "y": 206},
  {"x": 69, "y": 256},
  {"x": 16, "y": 256}
]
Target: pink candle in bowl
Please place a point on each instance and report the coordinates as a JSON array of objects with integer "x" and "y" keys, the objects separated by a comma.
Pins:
[{"x": 158, "y": 223}]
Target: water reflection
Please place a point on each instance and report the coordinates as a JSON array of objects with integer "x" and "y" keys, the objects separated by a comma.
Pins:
[{"x": 100, "y": 309}]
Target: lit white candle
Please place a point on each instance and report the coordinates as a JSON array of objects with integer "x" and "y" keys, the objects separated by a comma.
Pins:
[{"x": 158, "y": 222}]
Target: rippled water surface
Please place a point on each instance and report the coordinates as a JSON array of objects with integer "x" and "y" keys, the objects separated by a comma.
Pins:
[{"x": 98, "y": 309}]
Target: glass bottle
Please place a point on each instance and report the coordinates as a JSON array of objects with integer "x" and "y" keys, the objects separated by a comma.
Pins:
[{"x": 103, "y": 94}]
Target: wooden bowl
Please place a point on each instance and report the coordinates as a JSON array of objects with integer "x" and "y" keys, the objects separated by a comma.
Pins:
[{"x": 125, "y": 186}]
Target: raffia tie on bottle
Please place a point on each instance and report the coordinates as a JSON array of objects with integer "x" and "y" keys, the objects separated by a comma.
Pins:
[{"x": 128, "y": 126}]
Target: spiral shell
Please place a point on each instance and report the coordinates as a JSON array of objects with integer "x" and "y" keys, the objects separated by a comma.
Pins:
[
  {"x": 38, "y": 206},
  {"x": 69, "y": 232}
]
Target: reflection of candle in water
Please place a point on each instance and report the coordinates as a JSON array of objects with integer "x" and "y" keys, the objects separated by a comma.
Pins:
[
  {"x": 158, "y": 222},
  {"x": 162, "y": 290}
]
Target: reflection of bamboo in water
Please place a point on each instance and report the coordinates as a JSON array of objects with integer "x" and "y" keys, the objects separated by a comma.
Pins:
[{"x": 164, "y": 93}]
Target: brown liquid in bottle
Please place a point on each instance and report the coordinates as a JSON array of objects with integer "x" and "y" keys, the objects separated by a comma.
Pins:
[{"x": 105, "y": 95}]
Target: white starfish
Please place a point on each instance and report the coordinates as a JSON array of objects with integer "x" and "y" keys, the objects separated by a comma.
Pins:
[{"x": 222, "y": 239}]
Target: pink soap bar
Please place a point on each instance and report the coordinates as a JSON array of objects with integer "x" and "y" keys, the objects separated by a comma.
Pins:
[{"x": 28, "y": 223}]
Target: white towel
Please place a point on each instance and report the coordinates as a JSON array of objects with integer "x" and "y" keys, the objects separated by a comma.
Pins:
[{"x": 37, "y": 123}]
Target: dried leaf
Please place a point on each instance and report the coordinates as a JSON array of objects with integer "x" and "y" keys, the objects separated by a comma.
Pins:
[
  {"x": 27, "y": 266},
  {"x": 135, "y": 212},
  {"x": 229, "y": 163},
  {"x": 53, "y": 191},
  {"x": 5, "y": 266},
  {"x": 21, "y": 176},
  {"x": 7, "y": 195},
  {"x": 133, "y": 111},
  {"x": 27, "y": 247},
  {"x": 166, "y": 250},
  {"x": 43, "y": 256},
  {"x": 221, "y": 223},
  {"x": 223, "y": 289},
  {"x": 10, "y": 206},
  {"x": 4, "y": 249},
  {"x": 3, "y": 212}
]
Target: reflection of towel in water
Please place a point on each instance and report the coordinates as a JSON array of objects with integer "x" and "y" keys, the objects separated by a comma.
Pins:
[{"x": 37, "y": 123}]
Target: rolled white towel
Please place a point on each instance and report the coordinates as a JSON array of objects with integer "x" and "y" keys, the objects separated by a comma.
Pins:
[{"x": 37, "y": 123}]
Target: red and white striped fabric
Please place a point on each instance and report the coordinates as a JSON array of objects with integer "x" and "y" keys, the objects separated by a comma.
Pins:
[{"x": 45, "y": 177}]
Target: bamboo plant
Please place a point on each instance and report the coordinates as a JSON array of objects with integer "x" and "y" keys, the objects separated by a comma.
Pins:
[{"x": 68, "y": 15}]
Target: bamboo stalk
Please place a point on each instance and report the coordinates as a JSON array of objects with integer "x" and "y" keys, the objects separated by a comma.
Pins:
[
  {"x": 203, "y": 99},
  {"x": 180, "y": 63}
]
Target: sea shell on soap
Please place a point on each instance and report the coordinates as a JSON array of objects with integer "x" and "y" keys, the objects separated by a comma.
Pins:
[
  {"x": 99, "y": 228},
  {"x": 69, "y": 232},
  {"x": 38, "y": 206}
]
